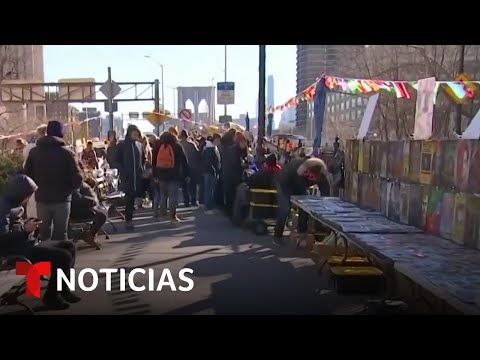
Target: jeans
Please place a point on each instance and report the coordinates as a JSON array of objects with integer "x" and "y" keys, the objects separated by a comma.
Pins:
[
  {"x": 230, "y": 190},
  {"x": 283, "y": 210},
  {"x": 129, "y": 206},
  {"x": 156, "y": 195},
  {"x": 189, "y": 190},
  {"x": 169, "y": 192},
  {"x": 61, "y": 255},
  {"x": 58, "y": 214},
  {"x": 210, "y": 182}
]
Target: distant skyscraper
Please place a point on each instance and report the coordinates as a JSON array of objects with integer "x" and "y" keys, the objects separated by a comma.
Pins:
[{"x": 270, "y": 91}]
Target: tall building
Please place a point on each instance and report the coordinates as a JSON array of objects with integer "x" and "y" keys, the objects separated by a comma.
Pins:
[
  {"x": 23, "y": 63},
  {"x": 312, "y": 62},
  {"x": 270, "y": 91}
]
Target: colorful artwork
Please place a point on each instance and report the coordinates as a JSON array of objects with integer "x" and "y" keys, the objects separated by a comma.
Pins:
[
  {"x": 375, "y": 158},
  {"x": 415, "y": 205},
  {"x": 432, "y": 221},
  {"x": 425, "y": 195},
  {"x": 383, "y": 159},
  {"x": 374, "y": 193},
  {"x": 415, "y": 160},
  {"x": 406, "y": 159},
  {"x": 354, "y": 187},
  {"x": 360, "y": 156},
  {"x": 458, "y": 234},
  {"x": 426, "y": 166},
  {"x": 355, "y": 150},
  {"x": 445, "y": 163},
  {"x": 395, "y": 159},
  {"x": 462, "y": 166},
  {"x": 472, "y": 226},
  {"x": 393, "y": 202},
  {"x": 348, "y": 154},
  {"x": 383, "y": 196},
  {"x": 446, "y": 215},
  {"x": 366, "y": 157},
  {"x": 474, "y": 171},
  {"x": 404, "y": 203}
]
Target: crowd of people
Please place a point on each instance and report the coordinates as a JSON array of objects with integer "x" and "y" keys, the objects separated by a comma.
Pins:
[{"x": 213, "y": 171}]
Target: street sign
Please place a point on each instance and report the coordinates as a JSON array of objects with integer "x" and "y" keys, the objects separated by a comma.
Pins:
[
  {"x": 114, "y": 106},
  {"x": 105, "y": 89},
  {"x": 223, "y": 119},
  {"x": 185, "y": 115},
  {"x": 225, "y": 93}
]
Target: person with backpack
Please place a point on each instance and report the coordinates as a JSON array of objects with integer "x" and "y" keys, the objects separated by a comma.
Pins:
[
  {"x": 170, "y": 168},
  {"x": 211, "y": 170}
]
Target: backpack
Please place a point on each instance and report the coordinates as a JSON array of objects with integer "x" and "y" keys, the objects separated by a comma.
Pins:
[{"x": 165, "y": 157}]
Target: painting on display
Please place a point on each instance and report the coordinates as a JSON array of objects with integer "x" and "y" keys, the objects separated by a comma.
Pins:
[
  {"x": 446, "y": 215},
  {"x": 432, "y": 221},
  {"x": 472, "y": 223},
  {"x": 383, "y": 195},
  {"x": 445, "y": 160},
  {"x": 355, "y": 151},
  {"x": 395, "y": 159},
  {"x": 406, "y": 160},
  {"x": 366, "y": 157},
  {"x": 404, "y": 203},
  {"x": 393, "y": 201},
  {"x": 360, "y": 156},
  {"x": 425, "y": 194},
  {"x": 415, "y": 160},
  {"x": 415, "y": 202},
  {"x": 426, "y": 166},
  {"x": 474, "y": 171},
  {"x": 348, "y": 154},
  {"x": 462, "y": 166},
  {"x": 354, "y": 187},
  {"x": 458, "y": 234}
]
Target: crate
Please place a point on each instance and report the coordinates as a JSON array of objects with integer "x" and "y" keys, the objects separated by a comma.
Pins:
[
  {"x": 355, "y": 280},
  {"x": 262, "y": 212},
  {"x": 263, "y": 196}
]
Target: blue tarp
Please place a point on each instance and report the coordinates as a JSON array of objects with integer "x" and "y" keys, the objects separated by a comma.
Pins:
[{"x": 319, "y": 101}]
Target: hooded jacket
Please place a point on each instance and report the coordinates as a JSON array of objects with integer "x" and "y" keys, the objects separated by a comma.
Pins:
[
  {"x": 211, "y": 159},
  {"x": 192, "y": 153},
  {"x": 54, "y": 168},
  {"x": 181, "y": 168},
  {"x": 84, "y": 200},
  {"x": 292, "y": 182},
  {"x": 18, "y": 188},
  {"x": 130, "y": 160}
]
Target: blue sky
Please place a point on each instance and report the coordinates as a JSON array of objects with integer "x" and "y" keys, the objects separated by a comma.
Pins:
[{"x": 184, "y": 65}]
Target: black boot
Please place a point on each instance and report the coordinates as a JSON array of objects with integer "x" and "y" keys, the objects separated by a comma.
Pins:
[
  {"x": 55, "y": 301},
  {"x": 70, "y": 297}
]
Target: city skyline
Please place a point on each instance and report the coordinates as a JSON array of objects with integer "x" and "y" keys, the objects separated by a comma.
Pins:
[{"x": 128, "y": 63}]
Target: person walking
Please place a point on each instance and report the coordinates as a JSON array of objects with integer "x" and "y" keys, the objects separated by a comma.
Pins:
[
  {"x": 54, "y": 168},
  {"x": 89, "y": 156},
  {"x": 170, "y": 168},
  {"x": 130, "y": 159},
  {"x": 193, "y": 155},
  {"x": 211, "y": 170}
]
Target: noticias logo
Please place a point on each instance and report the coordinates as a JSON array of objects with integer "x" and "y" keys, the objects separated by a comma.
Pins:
[{"x": 34, "y": 272}]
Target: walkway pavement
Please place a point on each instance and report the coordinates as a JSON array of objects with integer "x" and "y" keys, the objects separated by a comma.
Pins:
[{"x": 235, "y": 271}]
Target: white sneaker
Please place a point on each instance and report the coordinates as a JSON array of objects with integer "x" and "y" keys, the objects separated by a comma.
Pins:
[{"x": 210, "y": 212}]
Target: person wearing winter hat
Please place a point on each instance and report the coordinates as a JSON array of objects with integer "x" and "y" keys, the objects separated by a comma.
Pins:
[{"x": 54, "y": 168}]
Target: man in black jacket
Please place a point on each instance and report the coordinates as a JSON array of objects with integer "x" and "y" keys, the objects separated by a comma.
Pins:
[
  {"x": 85, "y": 206},
  {"x": 294, "y": 179},
  {"x": 130, "y": 160},
  {"x": 211, "y": 170},
  {"x": 169, "y": 176},
  {"x": 16, "y": 239},
  {"x": 54, "y": 168}
]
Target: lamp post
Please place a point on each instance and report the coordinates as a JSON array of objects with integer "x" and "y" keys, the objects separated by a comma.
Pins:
[
  {"x": 225, "y": 106},
  {"x": 163, "y": 83}
]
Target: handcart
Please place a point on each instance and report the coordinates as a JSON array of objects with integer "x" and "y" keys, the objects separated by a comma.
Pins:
[{"x": 262, "y": 210}]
